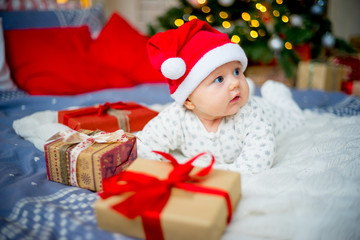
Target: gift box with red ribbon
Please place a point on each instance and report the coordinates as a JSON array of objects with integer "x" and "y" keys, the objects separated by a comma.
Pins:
[
  {"x": 109, "y": 117},
  {"x": 83, "y": 159},
  {"x": 320, "y": 75},
  {"x": 167, "y": 200}
]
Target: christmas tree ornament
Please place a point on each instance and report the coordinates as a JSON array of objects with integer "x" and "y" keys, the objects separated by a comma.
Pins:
[
  {"x": 276, "y": 44},
  {"x": 186, "y": 17},
  {"x": 226, "y": 3},
  {"x": 296, "y": 20},
  {"x": 317, "y": 9},
  {"x": 195, "y": 3},
  {"x": 328, "y": 40}
]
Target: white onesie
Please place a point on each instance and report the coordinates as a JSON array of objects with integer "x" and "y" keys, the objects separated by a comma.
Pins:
[{"x": 244, "y": 142}]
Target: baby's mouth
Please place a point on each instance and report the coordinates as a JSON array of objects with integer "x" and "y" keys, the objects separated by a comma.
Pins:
[{"x": 235, "y": 99}]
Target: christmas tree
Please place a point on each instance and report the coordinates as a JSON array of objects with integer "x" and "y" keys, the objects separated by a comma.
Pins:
[{"x": 270, "y": 31}]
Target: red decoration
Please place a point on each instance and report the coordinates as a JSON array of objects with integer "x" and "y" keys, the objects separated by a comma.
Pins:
[
  {"x": 122, "y": 47},
  {"x": 303, "y": 51},
  {"x": 353, "y": 62},
  {"x": 55, "y": 61},
  {"x": 67, "y": 61}
]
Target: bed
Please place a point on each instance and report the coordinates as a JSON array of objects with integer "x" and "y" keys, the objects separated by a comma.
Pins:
[{"x": 311, "y": 192}]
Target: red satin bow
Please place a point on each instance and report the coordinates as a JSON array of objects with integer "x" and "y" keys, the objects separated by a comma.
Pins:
[
  {"x": 100, "y": 110},
  {"x": 150, "y": 194}
]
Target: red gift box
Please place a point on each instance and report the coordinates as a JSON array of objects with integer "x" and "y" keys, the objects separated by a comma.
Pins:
[{"x": 109, "y": 117}]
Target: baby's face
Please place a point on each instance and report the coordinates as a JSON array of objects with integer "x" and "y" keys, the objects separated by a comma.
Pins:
[{"x": 222, "y": 93}]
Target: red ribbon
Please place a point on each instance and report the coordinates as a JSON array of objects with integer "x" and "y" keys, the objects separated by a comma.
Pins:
[
  {"x": 100, "y": 110},
  {"x": 347, "y": 87},
  {"x": 150, "y": 194}
]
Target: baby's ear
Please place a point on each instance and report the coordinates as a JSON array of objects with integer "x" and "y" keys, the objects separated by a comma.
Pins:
[{"x": 189, "y": 105}]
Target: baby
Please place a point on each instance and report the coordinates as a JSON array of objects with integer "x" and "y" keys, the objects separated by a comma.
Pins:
[{"x": 213, "y": 111}]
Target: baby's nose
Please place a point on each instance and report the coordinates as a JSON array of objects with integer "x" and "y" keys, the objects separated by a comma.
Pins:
[{"x": 235, "y": 83}]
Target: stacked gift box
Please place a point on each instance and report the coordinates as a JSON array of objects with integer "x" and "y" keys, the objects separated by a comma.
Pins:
[{"x": 100, "y": 159}]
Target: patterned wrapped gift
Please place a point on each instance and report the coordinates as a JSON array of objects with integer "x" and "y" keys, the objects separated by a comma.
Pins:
[
  {"x": 85, "y": 158},
  {"x": 108, "y": 117},
  {"x": 162, "y": 200},
  {"x": 320, "y": 75}
]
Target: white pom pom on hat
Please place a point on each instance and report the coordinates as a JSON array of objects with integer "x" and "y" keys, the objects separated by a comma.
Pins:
[{"x": 173, "y": 68}]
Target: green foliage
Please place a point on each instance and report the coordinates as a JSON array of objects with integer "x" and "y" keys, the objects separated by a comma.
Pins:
[{"x": 258, "y": 52}]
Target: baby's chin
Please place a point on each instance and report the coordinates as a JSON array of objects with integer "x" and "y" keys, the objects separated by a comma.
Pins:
[
  {"x": 234, "y": 109},
  {"x": 231, "y": 113}
]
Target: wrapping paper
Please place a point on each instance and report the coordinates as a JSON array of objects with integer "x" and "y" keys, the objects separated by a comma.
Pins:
[
  {"x": 99, "y": 161},
  {"x": 320, "y": 75},
  {"x": 108, "y": 117}
]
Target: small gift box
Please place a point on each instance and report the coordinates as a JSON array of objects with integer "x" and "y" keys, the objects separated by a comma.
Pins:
[
  {"x": 261, "y": 73},
  {"x": 108, "y": 117},
  {"x": 320, "y": 75},
  {"x": 161, "y": 200},
  {"x": 85, "y": 158}
]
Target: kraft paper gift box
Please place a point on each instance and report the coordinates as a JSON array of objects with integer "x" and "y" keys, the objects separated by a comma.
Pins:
[
  {"x": 186, "y": 215},
  {"x": 93, "y": 164},
  {"x": 261, "y": 73},
  {"x": 109, "y": 117},
  {"x": 320, "y": 75}
]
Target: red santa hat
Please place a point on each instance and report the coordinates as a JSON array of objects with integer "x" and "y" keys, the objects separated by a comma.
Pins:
[{"x": 188, "y": 54}]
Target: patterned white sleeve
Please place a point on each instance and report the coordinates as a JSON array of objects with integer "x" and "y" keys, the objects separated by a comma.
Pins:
[
  {"x": 160, "y": 134},
  {"x": 257, "y": 140}
]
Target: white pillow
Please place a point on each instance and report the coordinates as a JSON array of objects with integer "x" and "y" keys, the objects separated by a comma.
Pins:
[{"x": 5, "y": 79}]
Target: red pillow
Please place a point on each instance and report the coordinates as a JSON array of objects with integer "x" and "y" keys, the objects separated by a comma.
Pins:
[
  {"x": 56, "y": 61},
  {"x": 121, "y": 46}
]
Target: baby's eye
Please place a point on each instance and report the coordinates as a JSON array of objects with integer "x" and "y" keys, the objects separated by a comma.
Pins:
[
  {"x": 236, "y": 72},
  {"x": 219, "y": 79}
]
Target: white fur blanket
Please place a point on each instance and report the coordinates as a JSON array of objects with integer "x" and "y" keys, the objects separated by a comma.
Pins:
[{"x": 312, "y": 191}]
